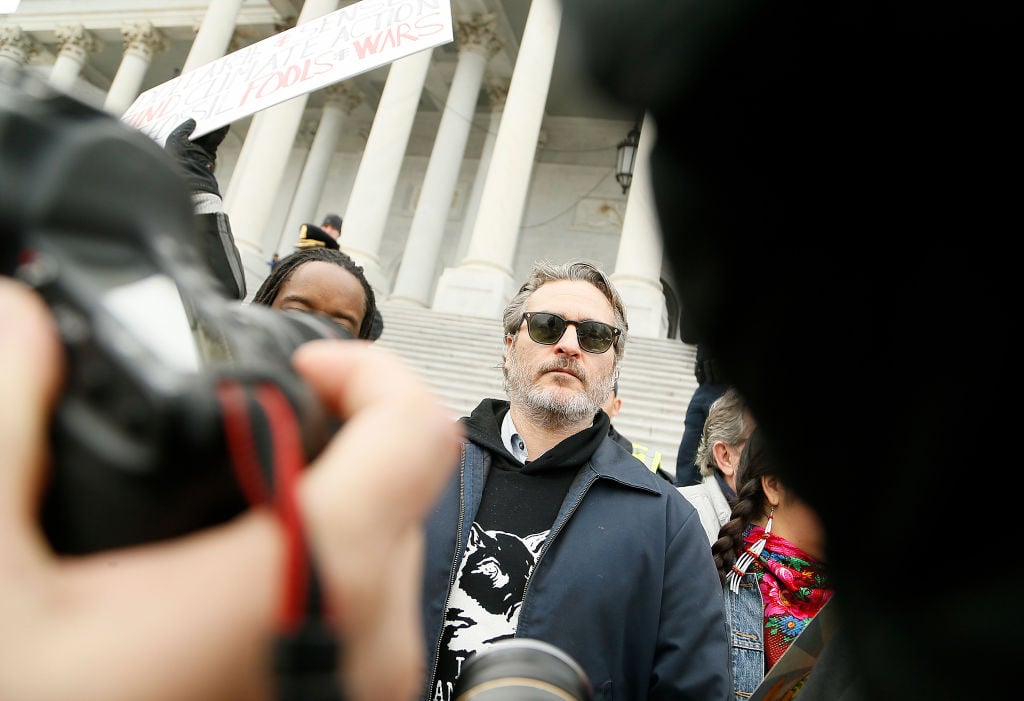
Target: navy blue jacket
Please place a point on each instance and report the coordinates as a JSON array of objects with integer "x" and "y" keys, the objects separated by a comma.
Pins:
[{"x": 625, "y": 582}]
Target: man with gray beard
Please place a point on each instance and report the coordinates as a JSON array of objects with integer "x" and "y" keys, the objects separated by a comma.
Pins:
[{"x": 553, "y": 531}]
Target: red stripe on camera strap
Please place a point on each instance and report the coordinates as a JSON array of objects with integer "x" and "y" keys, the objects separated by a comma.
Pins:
[
  {"x": 246, "y": 461},
  {"x": 306, "y": 647}
]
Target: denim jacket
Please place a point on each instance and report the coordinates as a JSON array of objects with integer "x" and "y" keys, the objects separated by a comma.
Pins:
[{"x": 744, "y": 615}]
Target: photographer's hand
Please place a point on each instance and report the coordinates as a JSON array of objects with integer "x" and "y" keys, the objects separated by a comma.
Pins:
[
  {"x": 194, "y": 617},
  {"x": 364, "y": 510}
]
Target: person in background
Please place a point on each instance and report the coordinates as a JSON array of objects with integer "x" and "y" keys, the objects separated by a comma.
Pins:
[
  {"x": 611, "y": 406},
  {"x": 726, "y": 431},
  {"x": 331, "y": 284},
  {"x": 312, "y": 236},
  {"x": 549, "y": 530},
  {"x": 771, "y": 560},
  {"x": 324, "y": 280},
  {"x": 710, "y": 386},
  {"x": 332, "y": 225},
  {"x": 196, "y": 161},
  {"x": 325, "y": 235}
]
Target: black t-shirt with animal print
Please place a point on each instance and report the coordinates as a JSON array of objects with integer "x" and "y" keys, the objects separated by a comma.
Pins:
[{"x": 519, "y": 506}]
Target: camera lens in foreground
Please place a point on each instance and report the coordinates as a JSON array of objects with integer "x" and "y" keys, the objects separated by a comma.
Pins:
[{"x": 522, "y": 669}]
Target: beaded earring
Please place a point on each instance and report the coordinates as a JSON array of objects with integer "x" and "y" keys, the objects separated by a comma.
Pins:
[{"x": 750, "y": 553}]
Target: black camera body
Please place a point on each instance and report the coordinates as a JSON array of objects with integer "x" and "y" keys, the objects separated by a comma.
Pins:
[{"x": 95, "y": 217}]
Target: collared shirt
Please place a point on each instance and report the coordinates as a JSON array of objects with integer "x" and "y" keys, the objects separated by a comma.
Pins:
[
  {"x": 727, "y": 491},
  {"x": 512, "y": 440}
]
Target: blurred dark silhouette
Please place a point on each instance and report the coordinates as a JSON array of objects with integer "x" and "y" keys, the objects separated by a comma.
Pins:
[{"x": 834, "y": 184}]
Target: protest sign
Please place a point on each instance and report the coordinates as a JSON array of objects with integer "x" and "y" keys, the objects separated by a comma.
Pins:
[{"x": 355, "y": 39}]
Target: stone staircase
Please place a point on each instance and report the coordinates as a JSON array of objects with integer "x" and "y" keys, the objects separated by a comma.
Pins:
[{"x": 460, "y": 357}]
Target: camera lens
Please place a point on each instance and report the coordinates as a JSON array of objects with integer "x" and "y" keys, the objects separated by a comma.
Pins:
[{"x": 522, "y": 669}]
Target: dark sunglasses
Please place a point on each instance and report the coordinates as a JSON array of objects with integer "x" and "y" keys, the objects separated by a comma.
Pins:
[{"x": 547, "y": 328}]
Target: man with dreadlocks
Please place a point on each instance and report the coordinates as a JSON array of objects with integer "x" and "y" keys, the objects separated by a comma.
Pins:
[{"x": 324, "y": 280}]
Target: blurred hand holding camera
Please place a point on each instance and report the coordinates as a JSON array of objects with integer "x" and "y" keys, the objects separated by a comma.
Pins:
[
  {"x": 351, "y": 511},
  {"x": 192, "y": 617}
]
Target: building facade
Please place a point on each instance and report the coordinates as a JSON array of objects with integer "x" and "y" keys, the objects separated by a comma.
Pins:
[{"x": 454, "y": 168}]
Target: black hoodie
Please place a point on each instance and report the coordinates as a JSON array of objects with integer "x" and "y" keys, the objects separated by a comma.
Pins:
[
  {"x": 518, "y": 508},
  {"x": 524, "y": 499}
]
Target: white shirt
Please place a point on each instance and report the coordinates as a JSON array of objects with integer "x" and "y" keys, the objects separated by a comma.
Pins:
[{"x": 511, "y": 439}]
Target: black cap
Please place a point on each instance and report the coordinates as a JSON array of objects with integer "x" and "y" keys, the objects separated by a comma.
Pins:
[
  {"x": 311, "y": 235},
  {"x": 332, "y": 220}
]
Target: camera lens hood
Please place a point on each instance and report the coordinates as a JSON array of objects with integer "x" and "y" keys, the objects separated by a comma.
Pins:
[{"x": 522, "y": 669}]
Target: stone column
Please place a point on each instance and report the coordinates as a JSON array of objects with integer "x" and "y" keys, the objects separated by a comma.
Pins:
[
  {"x": 638, "y": 262},
  {"x": 142, "y": 41},
  {"x": 366, "y": 215},
  {"x": 17, "y": 47},
  {"x": 339, "y": 101},
  {"x": 214, "y": 34},
  {"x": 497, "y": 91},
  {"x": 483, "y": 282},
  {"x": 76, "y": 43},
  {"x": 256, "y": 178},
  {"x": 416, "y": 275}
]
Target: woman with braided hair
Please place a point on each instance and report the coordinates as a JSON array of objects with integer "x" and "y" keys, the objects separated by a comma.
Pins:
[
  {"x": 770, "y": 558},
  {"x": 324, "y": 280}
]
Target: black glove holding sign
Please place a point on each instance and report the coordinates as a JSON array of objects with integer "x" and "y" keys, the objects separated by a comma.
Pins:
[{"x": 196, "y": 161}]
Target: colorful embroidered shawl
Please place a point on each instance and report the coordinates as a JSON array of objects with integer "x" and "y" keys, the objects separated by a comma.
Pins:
[{"x": 794, "y": 587}]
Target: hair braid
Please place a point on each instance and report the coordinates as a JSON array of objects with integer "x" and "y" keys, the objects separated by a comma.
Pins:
[
  {"x": 751, "y": 502},
  {"x": 730, "y": 535}
]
